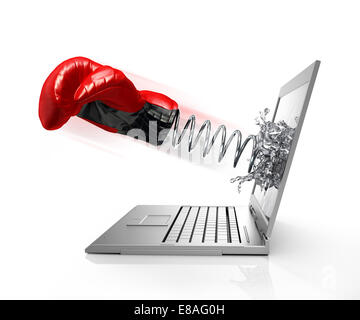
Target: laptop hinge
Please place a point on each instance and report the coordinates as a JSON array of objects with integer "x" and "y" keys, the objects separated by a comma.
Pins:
[{"x": 259, "y": 223}]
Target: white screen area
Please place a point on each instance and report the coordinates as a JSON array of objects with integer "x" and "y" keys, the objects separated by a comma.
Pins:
[{"x": 289, "y": 109}]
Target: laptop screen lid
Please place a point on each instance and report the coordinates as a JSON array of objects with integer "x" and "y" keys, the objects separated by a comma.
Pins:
[{"x": 291, "y": 107}]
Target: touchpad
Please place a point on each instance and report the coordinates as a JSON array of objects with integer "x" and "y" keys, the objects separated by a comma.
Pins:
[
  {"x": 155, "y": 220},
  {"x": 152, "y": 220}
]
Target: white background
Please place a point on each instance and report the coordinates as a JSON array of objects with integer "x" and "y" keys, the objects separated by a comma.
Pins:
[{"x": 225, "y": 59}]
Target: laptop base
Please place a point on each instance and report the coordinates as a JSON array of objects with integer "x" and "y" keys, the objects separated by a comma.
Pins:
[{"x": 202, "y": 230}]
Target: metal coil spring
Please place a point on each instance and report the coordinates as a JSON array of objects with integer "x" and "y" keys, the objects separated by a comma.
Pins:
[{"x": 209, "y": 142}]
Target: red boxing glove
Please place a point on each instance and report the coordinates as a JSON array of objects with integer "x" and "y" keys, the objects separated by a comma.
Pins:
[{"x": 103, "y": 96}]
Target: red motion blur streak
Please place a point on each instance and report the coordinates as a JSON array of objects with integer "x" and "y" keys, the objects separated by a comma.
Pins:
[{"x": 186, "y": 108}]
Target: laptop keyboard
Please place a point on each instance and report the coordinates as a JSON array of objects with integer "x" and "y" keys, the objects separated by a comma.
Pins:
[{"x": 204, "y": 225}]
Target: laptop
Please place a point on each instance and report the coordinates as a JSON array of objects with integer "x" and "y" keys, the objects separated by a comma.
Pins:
[{"x": 214, "y": 230}]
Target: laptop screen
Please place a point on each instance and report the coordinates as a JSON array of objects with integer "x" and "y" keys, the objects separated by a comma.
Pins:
[{"x": 289, "y": 110}]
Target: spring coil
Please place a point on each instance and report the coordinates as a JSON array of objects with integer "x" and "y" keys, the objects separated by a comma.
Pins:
[{"x": 209, "y": 141}]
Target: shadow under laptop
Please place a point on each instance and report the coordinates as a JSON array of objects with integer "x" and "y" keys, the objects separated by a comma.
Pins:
[{"x": 253, "y": 271}]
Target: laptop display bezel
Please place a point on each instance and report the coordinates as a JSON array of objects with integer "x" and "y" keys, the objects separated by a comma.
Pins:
[{"x": 265, "y": 224}]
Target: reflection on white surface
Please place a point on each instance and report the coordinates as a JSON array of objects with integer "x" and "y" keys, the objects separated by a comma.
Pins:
[
  {"x": 252, "y": 275},
  {"x": 298, "y": 267}
]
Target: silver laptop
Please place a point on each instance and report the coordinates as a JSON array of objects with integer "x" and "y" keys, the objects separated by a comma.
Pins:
[{"x": 211, "y": 230}]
